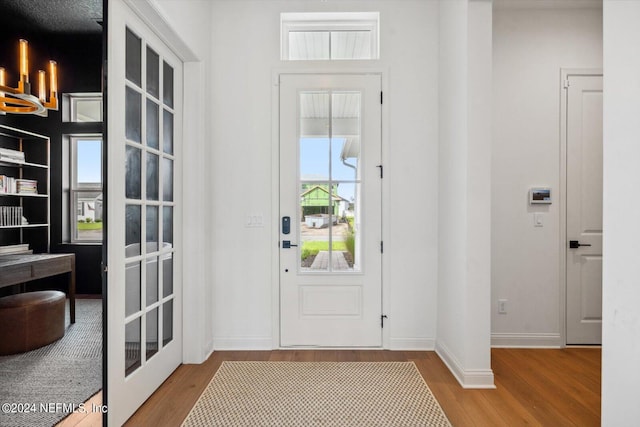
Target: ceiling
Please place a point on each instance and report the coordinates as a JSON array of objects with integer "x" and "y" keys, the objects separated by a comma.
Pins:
[{"x": 53, "y": 16}]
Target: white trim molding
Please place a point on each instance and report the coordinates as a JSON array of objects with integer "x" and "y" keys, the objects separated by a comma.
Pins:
[
  {"x": 412, "y": 344},
  {"x": 526, "y": 340},
  {"x": 242, "y": 343},
  {"x": 468, "y": 378}
]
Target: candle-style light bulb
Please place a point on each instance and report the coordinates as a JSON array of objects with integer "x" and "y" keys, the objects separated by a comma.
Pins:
[
  {"x": 42, "y": 88},
  {"x": 24, "y": 64},
  {"x": 2, "y": 83},
  {"x": 53, "y": 79}
]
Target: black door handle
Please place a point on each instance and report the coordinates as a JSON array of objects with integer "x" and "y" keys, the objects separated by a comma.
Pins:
[
  {"x": 574, "y": 244},
  {"x": 286, "y": 244}
]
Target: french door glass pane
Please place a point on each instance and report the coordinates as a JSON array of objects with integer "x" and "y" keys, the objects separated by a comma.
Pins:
[
  {"x": 133, "y": 115},
  {"x": 167, "y": 322},
  {"x": 153, "y": 73},
  {"x": 167, "y": 179},
  {"x": 133, "y": 64},
  {"x": 132, "y": 230},
  {"x": 152, "y": 176},
  {"x": 152, "y": 280},
  {"x": 167, "y": 84},
  {"x": 167, "y": 274},
  {"x": 132, "y": 288},
  {"x": 152, "y": 228},
  {"x": 167, "y": 225},
  {"x": 167, "y": 132},
  {"x": 152, "y": 333},
  {"x": 133, "y": 168},
  {"x": 132, "y": 347},
  {"x": 153, "y": 124}
]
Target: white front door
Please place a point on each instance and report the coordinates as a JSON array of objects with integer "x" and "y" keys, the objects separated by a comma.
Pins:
[
  {"x": 330, "y": 210},
  {"x": 584, "y": 209},
  {"x": 144, "y": 291}
]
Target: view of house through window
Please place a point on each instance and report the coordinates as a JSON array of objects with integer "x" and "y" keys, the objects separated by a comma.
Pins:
[
  {"x": 86, "y": 188},
  {"x": 330, "y": 181}
]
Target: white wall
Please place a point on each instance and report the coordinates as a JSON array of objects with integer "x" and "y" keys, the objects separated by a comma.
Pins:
[
  {"x": 529, "y": 48},
  {"x": 464, "y": 190},
  {"x": 621, "y": 269},
  {"x": 191, "y": 24},
  {"x": 245, "y": 51}
]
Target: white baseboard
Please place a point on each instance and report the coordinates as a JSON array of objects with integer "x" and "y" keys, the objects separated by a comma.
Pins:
[
  {"x": 412, "y": 344},
  {"x": 242, "y": 343},
  {"x": 526, "y": 340},
  {"x": 469, "y": 378}
]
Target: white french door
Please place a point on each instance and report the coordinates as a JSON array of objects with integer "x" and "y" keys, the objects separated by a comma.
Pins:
[
  {"x": 330, "y": 210},
  {"x": 144, "y": 291},
  {"x": 584, "y": 209}
]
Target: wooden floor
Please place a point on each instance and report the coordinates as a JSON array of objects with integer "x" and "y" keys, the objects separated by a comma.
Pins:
[{"x": 533, "y": 387}]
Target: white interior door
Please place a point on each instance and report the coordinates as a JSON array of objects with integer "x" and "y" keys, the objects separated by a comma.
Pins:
[
  {"x": 584, "y": 210},
  {"x": 144, "y": 291},
  {"x": 330, "y": 208}
]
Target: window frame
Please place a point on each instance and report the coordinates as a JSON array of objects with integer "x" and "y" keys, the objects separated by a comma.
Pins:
[
  {"x": 76, "y": 189},
  {"x": 329, "y": 22},
  {"x": 70, "y": 106}
]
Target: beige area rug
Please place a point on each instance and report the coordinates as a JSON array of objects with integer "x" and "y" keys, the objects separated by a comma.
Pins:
[{"x": 317, "y": 394}]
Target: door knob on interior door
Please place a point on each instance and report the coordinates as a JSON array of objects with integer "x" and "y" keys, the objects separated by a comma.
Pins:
[{"x": 574, "y": 244}]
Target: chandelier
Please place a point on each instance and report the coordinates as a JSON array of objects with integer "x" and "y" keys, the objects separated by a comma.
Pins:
[{"x": 19, "y": 100}]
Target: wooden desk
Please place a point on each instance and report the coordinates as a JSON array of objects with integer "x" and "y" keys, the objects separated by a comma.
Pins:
[{"x": 21, "y": 268}]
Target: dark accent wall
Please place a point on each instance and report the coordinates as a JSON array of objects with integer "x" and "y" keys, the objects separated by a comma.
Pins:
[{"x": 79, "y": 59}]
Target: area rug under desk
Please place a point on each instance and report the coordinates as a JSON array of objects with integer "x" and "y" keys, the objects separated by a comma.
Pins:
[
  {"x": 317, "y": 394},
  {"x": 66, "y": 372}
]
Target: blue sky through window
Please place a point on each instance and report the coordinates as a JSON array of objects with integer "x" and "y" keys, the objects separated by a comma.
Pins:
[
  {"x": 314, "y": 163},
  {"x": 89, "y": 158}
]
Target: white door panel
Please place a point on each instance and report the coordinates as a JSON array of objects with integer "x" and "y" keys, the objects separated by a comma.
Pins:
[
  {"x": 144, "y": 292},
  {"x": 330, "y": 189},
  {"x": 584, "y": 209}
]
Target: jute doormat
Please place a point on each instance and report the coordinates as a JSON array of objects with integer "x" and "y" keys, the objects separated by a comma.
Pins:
[{"x": 317, "y": 394}]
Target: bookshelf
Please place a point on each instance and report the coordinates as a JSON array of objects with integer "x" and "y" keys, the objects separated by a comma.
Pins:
[{"x": 24, "y": 190}]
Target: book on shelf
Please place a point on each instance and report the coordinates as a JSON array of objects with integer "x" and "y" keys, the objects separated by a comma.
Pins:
[
  {"x": 11, "y": 216},
  {"x": 26, "y": 186},
  {"x": 11, "y": 185},
  {"x": 22, "y": 248},
  {"x": 13, "y": 156}
]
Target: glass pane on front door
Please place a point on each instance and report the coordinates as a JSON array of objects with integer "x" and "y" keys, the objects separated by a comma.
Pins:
[{"x": 329, "y": 146}]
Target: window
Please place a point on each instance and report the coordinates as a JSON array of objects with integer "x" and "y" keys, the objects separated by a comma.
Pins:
[
  {"x": 82, "y": 174},
  {"x": 329, "y": 36},
  {"x": 82, "y": 107},
  {"x": 85, "y": 190}
]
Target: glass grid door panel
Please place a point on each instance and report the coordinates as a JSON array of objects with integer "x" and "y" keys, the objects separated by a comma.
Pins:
[
  {"x": 330, "y": 186},
  {"x": 149, "y": 186}
]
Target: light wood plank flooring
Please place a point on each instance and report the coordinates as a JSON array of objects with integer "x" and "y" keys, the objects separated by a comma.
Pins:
[{"x": 534, "y": 387}]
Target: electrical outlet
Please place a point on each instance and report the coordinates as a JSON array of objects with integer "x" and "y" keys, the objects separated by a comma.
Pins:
[{"x": 502, "y": 306}]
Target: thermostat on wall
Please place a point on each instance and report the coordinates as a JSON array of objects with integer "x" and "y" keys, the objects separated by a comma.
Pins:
[{"x": 540, "y": 195}]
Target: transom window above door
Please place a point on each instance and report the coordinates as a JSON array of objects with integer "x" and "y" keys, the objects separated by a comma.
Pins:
[{"x": 329, "y": 36}]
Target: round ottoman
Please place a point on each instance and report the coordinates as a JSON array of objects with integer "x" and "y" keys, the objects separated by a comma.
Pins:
[{"x": 31, "y": 320}]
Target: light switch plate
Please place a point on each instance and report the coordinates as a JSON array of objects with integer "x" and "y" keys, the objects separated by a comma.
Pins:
[
  {"x": 254, "y": 220},
  {"x": 538, "y": 219}
]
